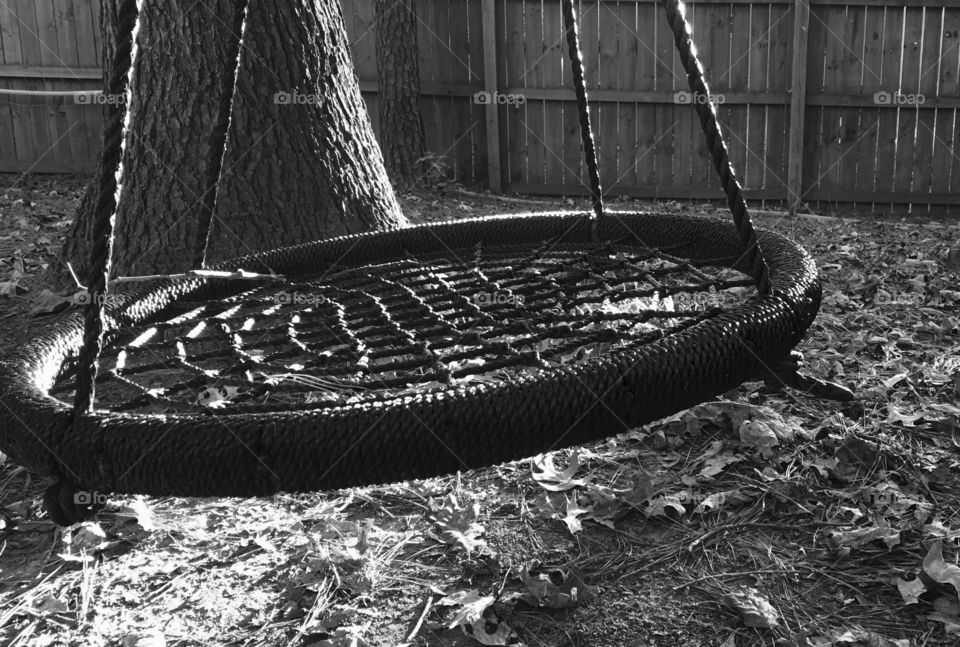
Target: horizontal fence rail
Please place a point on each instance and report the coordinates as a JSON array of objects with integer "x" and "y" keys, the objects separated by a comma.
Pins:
[{"x": 851, "y": 101}]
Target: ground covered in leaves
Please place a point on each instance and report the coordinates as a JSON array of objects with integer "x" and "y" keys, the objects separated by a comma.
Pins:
[{"x": 763, "y": 517}]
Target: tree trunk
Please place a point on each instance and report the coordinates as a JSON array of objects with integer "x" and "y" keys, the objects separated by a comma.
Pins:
[
  {"x": 398, "y": 80},
  {"x": 301, "y": 162}
]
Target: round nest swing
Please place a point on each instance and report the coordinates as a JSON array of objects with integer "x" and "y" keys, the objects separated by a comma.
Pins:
[{"x": 404, "y": 354}]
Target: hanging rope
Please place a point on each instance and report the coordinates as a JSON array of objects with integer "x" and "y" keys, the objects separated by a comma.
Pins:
[
  {"x": 218, "y": 139},
  {"x": 707, "y": 113},
  {"x": 580, "y": 88},
  {"x": 60, "y": 499},
  {"x": 105, "y": 210}
]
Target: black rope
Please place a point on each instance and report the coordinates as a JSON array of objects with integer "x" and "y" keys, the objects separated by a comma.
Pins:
[
  {"x": 580, "y": 88},
  {"x": 105, "y": 212},
  {"x": 718, "y": 148},
  {"x": 218, "y": 138},
  {"x": 62, "y": 500}
]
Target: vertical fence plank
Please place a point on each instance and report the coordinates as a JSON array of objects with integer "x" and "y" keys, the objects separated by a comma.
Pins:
[
  {"x": 835, "y": 69},
  {"x": 642, "y": 152},
  {"x": 551, "y": 65},
  {"x": 683, "y": 117},
  {"x": 590, "y": 39},
  {"x": 774, "y": 130},
  {"x": 444, "y": 105},
  {"x": 850, "y": 133},
  {"x": 946, "y": 160},
  {"x": 870, "y": 85},
  {"x": 87, "y": 29},
  {"x": 34, "y": 123},
  {"x": 542, "y": 142},
  {"x": 94, "y": 7},
  {"x": 516, "y": 136},
  {"x": 625, "y": 70},
  {"x": 572, "y": 155},
  {"x": 712, "y": 32},
  {"x": 610, "y": 35},
  {"x": 70, "y": 116},
  {"x": 909, "y": 87},
  {"x": 756, "y": 115},
  {"x": 464, "y": 127},
  {"x": 742, "y": 50},
  {"x": 11, "y": 139},
  {"x": 799, "y": 76},
  {"x": 796, "y": 150},
  {"x": 667, "y": 125},
  {"x": 489, "y": 40},
  {"x": 46, "y": 109},
  {"x": 779, "y": 79},
  {"x": 889, "y": 82},
  {"x": 478, "y": 113},
  {"x": 947, "y": 131},
  {"x": 926, "y": 118}
]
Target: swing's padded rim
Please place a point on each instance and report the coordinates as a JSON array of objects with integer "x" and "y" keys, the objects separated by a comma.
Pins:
[{"x": 421, "y": 435}]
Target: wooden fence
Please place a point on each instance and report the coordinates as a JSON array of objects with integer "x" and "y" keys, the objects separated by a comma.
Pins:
[{"x": 822, "y": 100}]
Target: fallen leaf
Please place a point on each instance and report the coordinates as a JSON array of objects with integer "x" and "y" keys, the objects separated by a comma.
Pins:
[
  {"x": 951, "y": 624},
  {"x": 759, "y": 435},
  {"x": 605, "y": 505},
  {"x": 755, "y": 609},
  {"x": 51, "y": 605},
  {"x": 821, "y": 464},
  {"x": 938, "y": 530},
  {"x": 10, "y": 288},
  {"x": 911, "y": 590},
  {"x": 47, "y": 302},
  {"x": 661, "y": 505},
  {"x": 714, "y": 461},
  {"x": 557, "y": 588},
  {"x": 347, "y": 636},
  {"x": 948, "y": 605},
  {"x": 545, "y": 473},
  {"x": 572, "y": 518},
  {"x": 860, "y": 537},
  {"x": 138, "y": 511},
  {"x": 471, "y": 607},
  {"x": 151, "y": 638},
  {"x": 717, "y": 500},
  {"x": 854, "y": 456},
  {"x": 84, "y": 541},
  {"x": 457, "y": 524},
  {"x": 938, "y": 570},
  {"x": 858, "y": 637},
  {"x": 891, "y": 382},
  {"x": 895, "y": 415},
  {"x": 490, "y": 629}
]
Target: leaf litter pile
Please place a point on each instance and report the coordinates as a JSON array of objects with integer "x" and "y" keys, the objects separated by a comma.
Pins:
[{"x": 762, "y": 517}]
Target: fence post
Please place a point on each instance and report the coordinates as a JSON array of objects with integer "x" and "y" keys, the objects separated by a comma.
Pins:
[
  {"x": 488, "y": 10},
  {"x": 798, "y": 101}
]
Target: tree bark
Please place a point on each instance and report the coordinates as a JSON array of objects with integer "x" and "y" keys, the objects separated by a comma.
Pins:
[
  {"x": 398, "y": 81},
  {"x": 301, "y": 162}
]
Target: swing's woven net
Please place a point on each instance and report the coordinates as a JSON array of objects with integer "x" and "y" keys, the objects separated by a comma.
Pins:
[{"x": 407, "y": 354}]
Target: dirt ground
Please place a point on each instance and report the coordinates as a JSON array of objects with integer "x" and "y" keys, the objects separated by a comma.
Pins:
[{"x": 761, "y": 518}]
